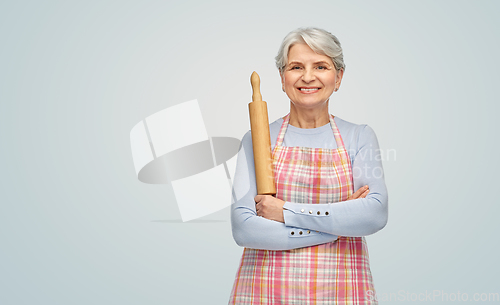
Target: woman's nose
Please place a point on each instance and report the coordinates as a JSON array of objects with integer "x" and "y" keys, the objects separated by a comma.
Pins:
[{"x": 308, "y": 75}]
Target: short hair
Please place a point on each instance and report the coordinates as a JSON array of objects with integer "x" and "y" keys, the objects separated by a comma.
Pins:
[{"x": 319, "y": 40}]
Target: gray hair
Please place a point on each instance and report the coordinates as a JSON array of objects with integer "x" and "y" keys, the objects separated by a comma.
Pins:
[{"x": 320, "y": 41}]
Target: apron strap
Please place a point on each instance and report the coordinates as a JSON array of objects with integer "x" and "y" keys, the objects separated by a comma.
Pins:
[
  {"x": 283, "y": 128},
  {"x": 336, "y": 133}
]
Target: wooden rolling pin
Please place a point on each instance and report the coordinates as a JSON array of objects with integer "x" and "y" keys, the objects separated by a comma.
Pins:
[{"x": 259, "y": 122}]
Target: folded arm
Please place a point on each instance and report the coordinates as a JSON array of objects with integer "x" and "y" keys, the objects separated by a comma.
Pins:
[
  {"x": 358, "y": 217},
  {"x": 252, "y": 231}
]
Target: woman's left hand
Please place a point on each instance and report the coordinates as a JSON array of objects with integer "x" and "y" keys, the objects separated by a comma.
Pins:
[{"x": 269, "y": 207}]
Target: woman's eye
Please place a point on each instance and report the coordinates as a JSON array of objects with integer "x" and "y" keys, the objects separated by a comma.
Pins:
[
  {"x": 295, "y": 68},
  {"x": 321, "y": 67}
]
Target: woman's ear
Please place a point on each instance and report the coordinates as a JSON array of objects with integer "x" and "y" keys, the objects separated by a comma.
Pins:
[{"x": 340, "y": 74}]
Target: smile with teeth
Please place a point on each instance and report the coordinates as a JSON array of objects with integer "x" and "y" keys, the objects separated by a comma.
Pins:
[{"x": 308, "y": 90}]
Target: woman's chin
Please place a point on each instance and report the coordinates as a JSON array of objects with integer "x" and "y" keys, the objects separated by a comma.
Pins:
[{"x": 308, "y": 104}]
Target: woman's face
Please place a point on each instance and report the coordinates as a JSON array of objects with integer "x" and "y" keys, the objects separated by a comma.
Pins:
[{"x": 309, "y": 78}]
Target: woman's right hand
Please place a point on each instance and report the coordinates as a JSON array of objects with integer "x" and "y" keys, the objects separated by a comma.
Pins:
[{"x": 360, "y": 193}]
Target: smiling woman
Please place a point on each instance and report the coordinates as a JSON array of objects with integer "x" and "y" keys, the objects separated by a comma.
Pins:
[
  {"x": 306, "y": 245},
  {"x": 309, "y": 79}
]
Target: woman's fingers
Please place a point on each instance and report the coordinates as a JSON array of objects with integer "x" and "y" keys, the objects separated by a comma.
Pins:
[
  {"x": 360, "y": 193},
  {"x": 258, "y": 204},
  {"x": 258, "y": 198},
  {"x": 365, "y": 194},
  {"x": 269, "y": 207}
]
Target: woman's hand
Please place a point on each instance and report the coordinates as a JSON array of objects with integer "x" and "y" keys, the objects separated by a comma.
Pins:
[
  {"x": 269, "y": 207},
  {"x": 360, "y": 193}
]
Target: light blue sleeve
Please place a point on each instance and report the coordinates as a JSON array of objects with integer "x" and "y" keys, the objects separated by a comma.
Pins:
[
  {"x": 252, "y": 231},
  {"x": 359, "y": 217}
]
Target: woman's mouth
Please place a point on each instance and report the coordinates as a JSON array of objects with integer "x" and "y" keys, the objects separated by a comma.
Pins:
[{"x": 308, "y": 90}]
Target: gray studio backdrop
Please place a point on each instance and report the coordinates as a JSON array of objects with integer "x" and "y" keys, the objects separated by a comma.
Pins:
[{"x": 78, "y": 227}]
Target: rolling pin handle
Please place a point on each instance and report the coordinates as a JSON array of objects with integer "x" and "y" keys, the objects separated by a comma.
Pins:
[{"x": 255, "y": 81}]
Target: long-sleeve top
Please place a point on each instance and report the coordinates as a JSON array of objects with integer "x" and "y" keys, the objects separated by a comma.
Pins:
[{"x": 357, "y": 217}]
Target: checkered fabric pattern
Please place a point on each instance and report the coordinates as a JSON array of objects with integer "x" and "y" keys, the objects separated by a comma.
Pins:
[{"x": 332, "y": 273}]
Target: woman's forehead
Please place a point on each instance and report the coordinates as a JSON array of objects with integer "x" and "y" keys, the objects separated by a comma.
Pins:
[{"x": 303, "y": 53}]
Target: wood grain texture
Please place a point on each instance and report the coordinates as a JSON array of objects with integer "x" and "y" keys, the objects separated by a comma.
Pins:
[{"x": 259, "y": 123}]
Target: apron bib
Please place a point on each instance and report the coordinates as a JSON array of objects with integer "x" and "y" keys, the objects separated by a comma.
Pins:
[{"x": 332, "y": 273}]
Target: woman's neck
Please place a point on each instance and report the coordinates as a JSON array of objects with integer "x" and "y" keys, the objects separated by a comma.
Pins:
[{"x": 309, "y": 118}]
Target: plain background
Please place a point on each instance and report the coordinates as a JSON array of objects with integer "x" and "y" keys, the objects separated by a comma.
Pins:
[{"x": 78, "y": 227}]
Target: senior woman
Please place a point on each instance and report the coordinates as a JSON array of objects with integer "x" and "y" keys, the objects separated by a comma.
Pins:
[{"x": 306, "y": 244}]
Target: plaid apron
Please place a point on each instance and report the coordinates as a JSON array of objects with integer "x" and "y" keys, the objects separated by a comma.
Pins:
[{"x": 337, "y": 272}]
